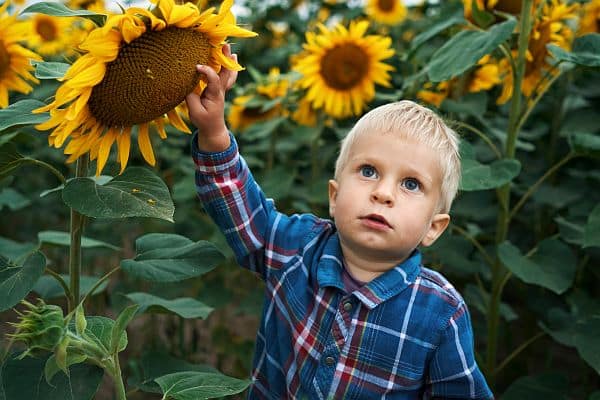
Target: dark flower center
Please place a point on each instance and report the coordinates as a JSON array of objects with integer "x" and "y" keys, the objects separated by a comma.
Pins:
[
  {"x": 509, "y": 6},
  {"x": 150, "y": 76},
  {"x": 386, "y": 5},
  {"x": 46, "y": 28},
  {"x": 344, "y": 66}
]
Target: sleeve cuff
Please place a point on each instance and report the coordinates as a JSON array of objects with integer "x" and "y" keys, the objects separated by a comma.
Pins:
[{"x": 214, "y": 162}]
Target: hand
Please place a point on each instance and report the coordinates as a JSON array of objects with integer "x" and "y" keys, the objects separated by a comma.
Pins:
[{"x": 207, "y": 110}]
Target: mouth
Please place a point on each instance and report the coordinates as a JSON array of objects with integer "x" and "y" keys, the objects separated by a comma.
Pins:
[{"x": 376, "y": 220}]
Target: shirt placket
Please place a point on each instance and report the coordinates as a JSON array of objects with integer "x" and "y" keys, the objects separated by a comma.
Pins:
[{"x": 335, "y": 344}]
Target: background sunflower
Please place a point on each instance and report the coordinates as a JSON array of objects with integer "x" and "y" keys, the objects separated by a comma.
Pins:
[
  {"x": 15, "y": 68},
  {"x": 340, "y": 67},
  {"x": 388, "y": 12}
]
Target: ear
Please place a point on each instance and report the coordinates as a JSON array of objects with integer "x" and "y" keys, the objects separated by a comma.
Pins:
[
  {"x": 333, "y": 190},
  {"x": 439, "y": 223}
]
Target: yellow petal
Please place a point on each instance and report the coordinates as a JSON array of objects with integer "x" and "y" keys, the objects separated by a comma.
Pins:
[
  {"x": 104, "y": 149},
  {"x": 177, "y": 122},
  {"x": 145, "y": 144},
  {"x": 124, "y": 145}
]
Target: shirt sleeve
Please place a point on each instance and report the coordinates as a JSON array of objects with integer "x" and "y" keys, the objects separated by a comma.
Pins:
[
  {"x": 260, "y": 236},
  {"x": 453, "y": 371}
]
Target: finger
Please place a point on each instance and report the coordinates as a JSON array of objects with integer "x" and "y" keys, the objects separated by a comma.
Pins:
[
  {"x": 226, "y": 50},
  {"x": 233, "y": 76},
  {"x": 212, "y": 79},
  {"x": 193, "y": 102}
]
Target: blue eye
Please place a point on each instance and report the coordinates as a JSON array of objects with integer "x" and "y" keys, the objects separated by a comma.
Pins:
[
  {"x": 368, "y": 171},
  {"x": 411, "y": 184}
]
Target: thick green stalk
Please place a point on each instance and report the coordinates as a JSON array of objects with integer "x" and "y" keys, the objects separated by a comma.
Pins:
[
  {"x": 118, "y": 378},
  {"x": 498, "y": 271},
  {"x": 76, "y": 230}
]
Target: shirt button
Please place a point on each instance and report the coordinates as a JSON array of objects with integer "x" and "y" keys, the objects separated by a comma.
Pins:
[
  {"x": 330, "y": 361},
  {"x": 347, "y": 306}
]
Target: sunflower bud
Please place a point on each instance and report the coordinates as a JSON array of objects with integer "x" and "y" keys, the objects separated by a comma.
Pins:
[{"x": 40, "y": 327}]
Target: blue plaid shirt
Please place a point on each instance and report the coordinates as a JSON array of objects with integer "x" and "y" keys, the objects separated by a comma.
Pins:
[{"x": 404, "y": 335}]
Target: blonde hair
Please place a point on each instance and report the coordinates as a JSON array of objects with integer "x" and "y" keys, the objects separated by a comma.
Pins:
[{"x": 411, "y": 120}]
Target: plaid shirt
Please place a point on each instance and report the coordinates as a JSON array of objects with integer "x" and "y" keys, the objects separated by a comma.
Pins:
[{"x": 404, "y": 335}]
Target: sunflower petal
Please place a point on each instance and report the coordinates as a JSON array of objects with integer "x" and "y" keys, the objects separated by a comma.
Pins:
[
  {"x": 124, "y": 145},
  {"x": 145, "y": 144},
  {"x": 104, "y": 149},
  {"x": 177, "y": 122}
]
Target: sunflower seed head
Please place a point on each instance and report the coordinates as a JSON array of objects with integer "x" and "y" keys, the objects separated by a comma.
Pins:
[{"x": 40, "y": 326}]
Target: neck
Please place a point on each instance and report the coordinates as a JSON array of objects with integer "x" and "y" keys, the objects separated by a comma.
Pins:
[{"x": 363, "y": 267}]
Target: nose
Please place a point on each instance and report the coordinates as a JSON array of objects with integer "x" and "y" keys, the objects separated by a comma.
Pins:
[{"x": 382, "y": 194}]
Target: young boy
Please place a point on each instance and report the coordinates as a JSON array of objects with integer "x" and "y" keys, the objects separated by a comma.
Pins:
[{"x": 350, "y": 312}]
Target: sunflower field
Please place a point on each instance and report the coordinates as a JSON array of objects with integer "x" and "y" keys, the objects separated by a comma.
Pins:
[{"x": 114, "y": 283}]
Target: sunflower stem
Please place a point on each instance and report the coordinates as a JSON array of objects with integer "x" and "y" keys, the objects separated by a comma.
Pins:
[
  {"x": 62, "y": 283},
  {"x": 49, "y": 167},
  {"x": 118, "y": 378},
  {"x": 76, "y": 230},
  {"x": 498, "y": 270}
]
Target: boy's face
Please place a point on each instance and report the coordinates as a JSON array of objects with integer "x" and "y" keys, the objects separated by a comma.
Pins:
[{"x": 386, "y": 199}]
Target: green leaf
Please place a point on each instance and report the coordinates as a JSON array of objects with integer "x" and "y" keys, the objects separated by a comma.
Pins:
[
  {"x": 481, "y": 16},
  {"x": 477, "y": 176},
  {"x": 278, "y": 182},
  {"x": 595, "y": 395},
  {"x": 60, "y": 10},
  {"x": 480, "y": 300},
  {"x": 10, "y": 159},
  {"x": 20, "y": 113},
  {"x": 48, "y": 287},
  {"x": 465, "y": 49},
  {"x": 7, "y": 137},
  {"x": 99, "y": 329},
  {"x": 121, "y": 323},
  {"x": 171, "y": 258},
  {"x": 15, "y": 250},
  {"x": 586, "y": 144},
  {"x": 261, "y": 130},
  {"x": 51, "y": 368},
  {"x": 64, "y": 239},
  {"x": 585, "y": 52},
  {"x": 136, "y": 193},
  {"x": 591, "y": 236},
  {"x": 185, "y": 307},
  {"x": 50, "y": 69},
  {"x": 17, "y": 280},
  {"x": 552, "y": 266},
  {"x": 24, "y": 379},
  {"x": 544, "y": 386},
  {"x": 12, "y": 199},
  {"x": 580, "y": 328},
  {"x": 570, "y": 232},
  {"x": 433, "y": 30},
  {"x": 193, "y": 385},
  {"x": 80, "y": 321},
  {"x": 100, "y": 180},
  {"x": 155, "y": 364}
]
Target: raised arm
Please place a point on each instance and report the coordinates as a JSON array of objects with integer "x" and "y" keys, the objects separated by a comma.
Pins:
[{"x": 260, "y": 236}]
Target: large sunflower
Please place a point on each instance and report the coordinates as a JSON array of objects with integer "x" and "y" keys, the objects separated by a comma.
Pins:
[
  {"x": 340, "y": 68},
  {"x": 15, "y": 66},
  {"x": 137, "y": 69},
  {"x": 388, "y": 12}
]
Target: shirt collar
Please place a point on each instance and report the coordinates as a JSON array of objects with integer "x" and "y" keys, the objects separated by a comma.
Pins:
[{"x": 380, "y": 289}]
